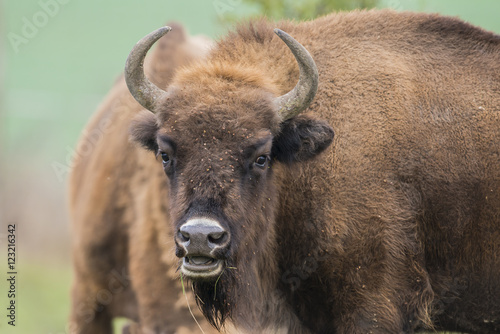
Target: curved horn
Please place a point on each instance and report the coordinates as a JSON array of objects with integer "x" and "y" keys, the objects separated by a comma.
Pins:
[
  {"x": 298, "y": 99},
  {"x": 139, "y": 86}
]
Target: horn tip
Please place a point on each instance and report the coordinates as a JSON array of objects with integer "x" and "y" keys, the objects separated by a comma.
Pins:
[
  {"x": 163, "y": 30},
  {"x": 283, "y": 35}
]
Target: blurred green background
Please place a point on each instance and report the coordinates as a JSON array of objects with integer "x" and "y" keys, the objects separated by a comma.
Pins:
[{"x": 58, "y": 60}]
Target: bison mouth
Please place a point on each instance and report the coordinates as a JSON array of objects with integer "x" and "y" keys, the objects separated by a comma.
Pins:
[{"x": 201, "y": 267}]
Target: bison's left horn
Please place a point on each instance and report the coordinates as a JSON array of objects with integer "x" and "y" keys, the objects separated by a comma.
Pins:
[
  {"x": 141, "y": 88},
  {"x": 298, "y": 99}
]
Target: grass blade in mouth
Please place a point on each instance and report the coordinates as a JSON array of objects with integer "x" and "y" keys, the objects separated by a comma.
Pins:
[{"x": 189, "y": 307}]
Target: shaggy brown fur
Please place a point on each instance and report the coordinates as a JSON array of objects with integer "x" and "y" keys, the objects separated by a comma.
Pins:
[
  {"x": 119, "y": 217},
  {"x": 394, "y": 228}
]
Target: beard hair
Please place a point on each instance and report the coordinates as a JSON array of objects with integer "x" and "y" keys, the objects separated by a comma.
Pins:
[{"x": 215, "y": 298}]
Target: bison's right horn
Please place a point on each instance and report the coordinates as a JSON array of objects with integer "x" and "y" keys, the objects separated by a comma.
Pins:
[
  {"x": 298, "y": 99},
  {"x": 139, "y": 86}
]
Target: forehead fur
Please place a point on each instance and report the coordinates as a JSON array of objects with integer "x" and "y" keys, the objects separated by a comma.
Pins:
[
  {"x": 189, "y": 111},
  {"x": 216, "y": 73},
  {"x": 216, "y": 96}
]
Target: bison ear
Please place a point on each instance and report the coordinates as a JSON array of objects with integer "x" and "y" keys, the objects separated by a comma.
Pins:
[
  {"x": 301, "y": 138},
  {"x": 143, "y": 130}
]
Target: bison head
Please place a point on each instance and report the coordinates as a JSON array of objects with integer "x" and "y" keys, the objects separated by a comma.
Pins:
[{"x": 219, "y": 130}]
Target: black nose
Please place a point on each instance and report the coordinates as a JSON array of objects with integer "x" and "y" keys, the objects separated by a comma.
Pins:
[{"x": 202, "y": 237}]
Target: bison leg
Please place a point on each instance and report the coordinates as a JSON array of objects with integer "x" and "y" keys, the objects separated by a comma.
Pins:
[
  {"x": 389, "y": 287},
  {"x": 87, "y": 315},
  {"x": 132, "y": 328},
  {"x": 100, "y": 290},
  {"x": 382, "y": 312}
]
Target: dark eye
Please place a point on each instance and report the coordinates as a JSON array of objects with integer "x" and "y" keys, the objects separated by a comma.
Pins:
[
  {"x": 261, "y": 161},
  {"x": 165, "y": 157}
]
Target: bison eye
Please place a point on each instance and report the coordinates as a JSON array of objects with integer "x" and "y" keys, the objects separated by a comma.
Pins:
[
  {"x": 261, "y": 161},
  {"x": 165, "y": 157}
]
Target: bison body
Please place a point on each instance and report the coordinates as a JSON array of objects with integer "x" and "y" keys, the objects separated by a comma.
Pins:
[
  {"x": 118, "y": 269},
  {"x": 373, "y": 207}
]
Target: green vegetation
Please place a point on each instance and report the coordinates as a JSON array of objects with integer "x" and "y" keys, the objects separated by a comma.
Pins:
[
  {"x": 306, "y": 9},
  {"x": 42, "y": 299}
]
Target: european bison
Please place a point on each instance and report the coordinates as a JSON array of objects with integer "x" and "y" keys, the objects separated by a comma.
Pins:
[
  {"x": 390, "y": 226},
  {"x": 393, "y": 227},
  {"x": 114, "y": 195}
]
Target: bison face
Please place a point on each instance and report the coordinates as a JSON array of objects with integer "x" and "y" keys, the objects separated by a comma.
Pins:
[
  {"x": 220, "y": 129},
  {"x": 219, "y": 160}
]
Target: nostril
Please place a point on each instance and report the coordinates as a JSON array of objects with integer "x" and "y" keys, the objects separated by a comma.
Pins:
[
  {"x": 201, "y": 236},
  {"x": 215, "y": 236},
  {"x": 218, "y": 238},
  {"x": 183, "y": 236}
]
